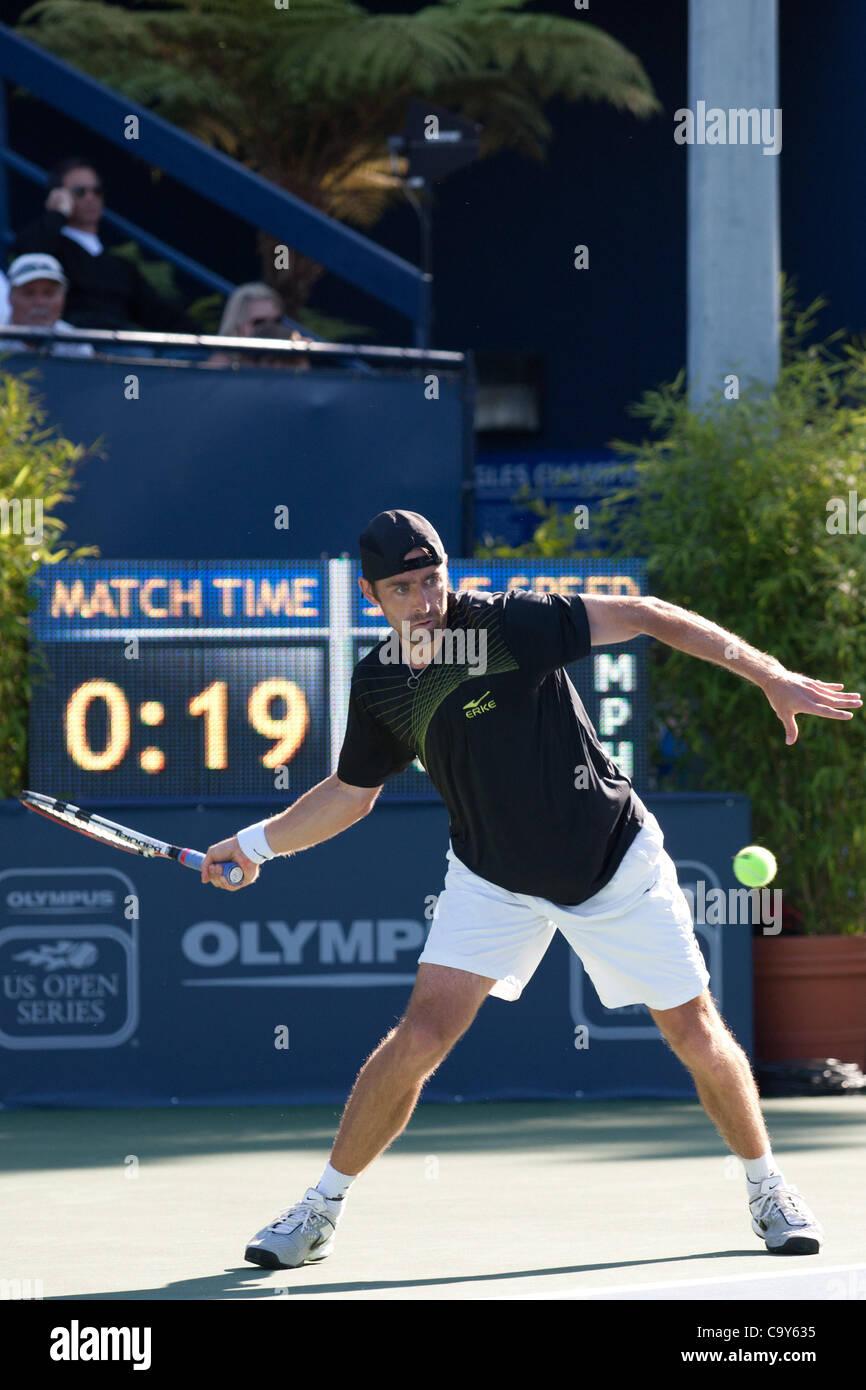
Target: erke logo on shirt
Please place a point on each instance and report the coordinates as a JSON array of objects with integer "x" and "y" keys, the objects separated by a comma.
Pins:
[{"x": 473, "y": 707}]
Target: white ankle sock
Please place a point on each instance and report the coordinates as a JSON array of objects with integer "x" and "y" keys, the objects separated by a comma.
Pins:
[
  {"x": 334, "y": 1185},
  {"x": 757, "y": 1169}
]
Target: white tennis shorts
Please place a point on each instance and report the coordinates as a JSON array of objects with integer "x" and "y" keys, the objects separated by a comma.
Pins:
[{"x": 635, "y": 938}]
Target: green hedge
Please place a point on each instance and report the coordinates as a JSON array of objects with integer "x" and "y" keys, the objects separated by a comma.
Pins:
[
  {"x": 732, "y": 511},
  {"x": 38, "y": 464}
]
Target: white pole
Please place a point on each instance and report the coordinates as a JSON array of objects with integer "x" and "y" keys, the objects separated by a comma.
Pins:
[{"x": 733, "y": 198}]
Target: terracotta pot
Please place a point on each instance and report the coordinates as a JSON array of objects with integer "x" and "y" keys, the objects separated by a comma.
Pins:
[{"x": 810, "y": 997}]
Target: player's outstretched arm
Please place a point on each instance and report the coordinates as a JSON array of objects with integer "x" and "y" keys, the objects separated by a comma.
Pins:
[
  {"x": 321, "y": 813},
  {"x": 788, "y": 692}
]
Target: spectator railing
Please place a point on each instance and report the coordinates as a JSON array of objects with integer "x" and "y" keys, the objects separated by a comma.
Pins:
[{"x": 329, "y": 354}]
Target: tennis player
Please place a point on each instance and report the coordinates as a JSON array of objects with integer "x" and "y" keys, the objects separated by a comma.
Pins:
[{"x": 588, "y": 859}]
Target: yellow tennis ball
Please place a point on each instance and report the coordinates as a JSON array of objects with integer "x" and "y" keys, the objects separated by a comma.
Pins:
[{"x": 755, "y": 866}]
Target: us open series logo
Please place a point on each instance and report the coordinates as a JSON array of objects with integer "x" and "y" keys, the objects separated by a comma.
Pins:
[{"x": 68, "y": 959}]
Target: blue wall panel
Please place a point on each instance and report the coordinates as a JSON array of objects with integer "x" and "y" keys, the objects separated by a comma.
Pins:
[{"x": 196, "y": 465}]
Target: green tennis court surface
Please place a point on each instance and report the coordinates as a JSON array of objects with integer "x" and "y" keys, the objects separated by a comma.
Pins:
[{"x": 613, "y": 1199}]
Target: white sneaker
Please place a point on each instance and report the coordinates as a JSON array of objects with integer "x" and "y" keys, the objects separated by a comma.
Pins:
[
  {"x": 302, "y": 1234},
  {"x": 782, "y": 1219}
]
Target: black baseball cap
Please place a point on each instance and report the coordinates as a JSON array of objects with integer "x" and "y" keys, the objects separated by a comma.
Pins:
[{"x": 389, "y": 537}]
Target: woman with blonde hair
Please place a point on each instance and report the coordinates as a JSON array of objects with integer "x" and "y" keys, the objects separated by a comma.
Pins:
[{"x": 250, "y": 309}]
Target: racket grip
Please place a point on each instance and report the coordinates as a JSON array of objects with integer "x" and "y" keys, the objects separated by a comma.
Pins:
[{"x": 192, "y": 859}]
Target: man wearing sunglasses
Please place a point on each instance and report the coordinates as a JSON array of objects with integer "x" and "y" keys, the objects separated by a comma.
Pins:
[{"x": 105, "y": 291}]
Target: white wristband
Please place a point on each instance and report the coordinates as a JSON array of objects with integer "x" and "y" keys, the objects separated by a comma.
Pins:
[{"x": 254, "y": 843}]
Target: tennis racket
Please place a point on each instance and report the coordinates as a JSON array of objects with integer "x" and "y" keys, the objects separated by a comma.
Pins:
[{"x": 119, "y": 836}]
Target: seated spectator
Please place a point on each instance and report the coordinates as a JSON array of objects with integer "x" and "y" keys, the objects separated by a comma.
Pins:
[
  {"x": 4, "y": 299},
  {"x": 37, "y": 292},
  {"x": 105, "y": 291},
  {"x": 249, "y": 309}
]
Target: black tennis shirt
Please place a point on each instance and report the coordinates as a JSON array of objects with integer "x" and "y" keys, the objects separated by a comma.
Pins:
[{"x": 503, "y": 749}]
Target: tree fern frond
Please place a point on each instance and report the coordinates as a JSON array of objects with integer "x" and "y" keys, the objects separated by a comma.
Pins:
[
  {"x": 566, "y": 57},
  {"x": 374, "y": 54},
  {"x": 308, "y": 96},
  {"x": 359, "y": 192}
]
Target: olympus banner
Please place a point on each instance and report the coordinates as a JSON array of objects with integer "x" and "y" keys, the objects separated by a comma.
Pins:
[{"x": 130, "y": 984}]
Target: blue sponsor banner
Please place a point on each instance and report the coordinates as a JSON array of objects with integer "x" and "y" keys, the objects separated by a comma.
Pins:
[
  {"x": 123, "y": 981},
  {"x": 69, "y": 959},
  {"x": 505, "y": 482}
]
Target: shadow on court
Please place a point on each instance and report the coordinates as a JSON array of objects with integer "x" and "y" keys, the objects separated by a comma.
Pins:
[
  {"x": 507, "y": 1199},
  {"x": 229, "y": 1285},
  {"x": 65, "y": 1138}
]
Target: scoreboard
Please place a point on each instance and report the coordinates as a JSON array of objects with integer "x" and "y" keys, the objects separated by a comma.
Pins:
[{"x": 213, "y": 681}]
